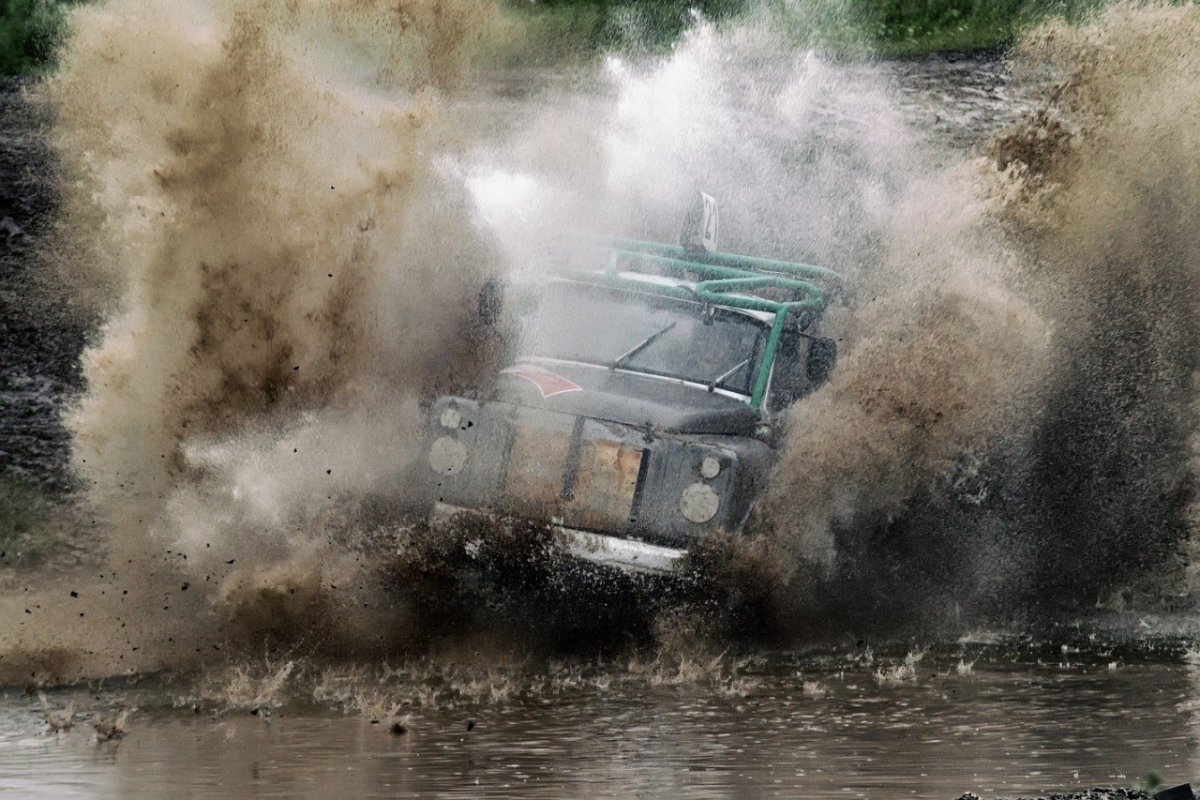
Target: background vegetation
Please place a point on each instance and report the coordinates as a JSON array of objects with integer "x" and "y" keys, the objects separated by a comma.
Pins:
[
  {"x": 31, "y": 29},
  {"x": 886, "y": 27},
  {"x": 902, "y": 27}
]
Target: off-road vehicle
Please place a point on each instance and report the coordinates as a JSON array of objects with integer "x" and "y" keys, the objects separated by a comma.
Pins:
[{"x": 640, "y": 410}]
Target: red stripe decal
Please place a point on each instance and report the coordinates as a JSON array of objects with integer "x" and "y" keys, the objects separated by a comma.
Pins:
[{"x": 547, "y": 382}]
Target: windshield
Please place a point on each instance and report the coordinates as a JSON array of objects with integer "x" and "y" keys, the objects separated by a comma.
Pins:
[{"x": 653, "y": 335}]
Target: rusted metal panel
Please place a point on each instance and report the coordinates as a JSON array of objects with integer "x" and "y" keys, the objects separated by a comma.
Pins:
[
  {"x": 536, "y": 464},
  {"x": 605, "y": 484},
  {"x": 573, "y": 471}
]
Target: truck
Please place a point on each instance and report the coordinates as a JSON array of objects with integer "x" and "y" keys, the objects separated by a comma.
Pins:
[{"x": 640, "y": 411}]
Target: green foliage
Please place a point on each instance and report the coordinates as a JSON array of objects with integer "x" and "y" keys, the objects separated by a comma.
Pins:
[
  {"x": 921, "y": 26},
  {"x": 561, "y": 28},
  {"x": 567, "y": 28},
  {"x": 1152, "y": 782},
  {"x": 30, "y": 32}
]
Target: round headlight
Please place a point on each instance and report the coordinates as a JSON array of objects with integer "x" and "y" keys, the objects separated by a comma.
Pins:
[
  {"x": 447, "y": 456},
  {"x": 699, "y": 503},
  {"x": 451, "y": 419},
  {"x": 710, "y": 467}
]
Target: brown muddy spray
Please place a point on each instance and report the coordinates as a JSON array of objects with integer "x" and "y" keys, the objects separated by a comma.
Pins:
[
  {"x": 287, "y": 266},
  {"x": 1103, "y": 188},
  {"x": 1028, "y": 334},
  {"x": 253, "y": 197}
]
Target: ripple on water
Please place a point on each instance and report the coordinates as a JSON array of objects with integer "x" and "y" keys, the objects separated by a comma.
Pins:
[{"x": 1012, "y": 726}]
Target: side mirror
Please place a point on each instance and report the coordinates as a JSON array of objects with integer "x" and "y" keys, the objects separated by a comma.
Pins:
[
  {"x": 821, "y": 360},
  {"x": 491, "y": 303}
]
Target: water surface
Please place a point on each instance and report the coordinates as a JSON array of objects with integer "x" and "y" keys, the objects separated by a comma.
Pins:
[{"x": 1005, "y": 718}]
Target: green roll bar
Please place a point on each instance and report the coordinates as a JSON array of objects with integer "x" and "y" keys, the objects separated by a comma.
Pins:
[
  {"x": 731, "y": 260},
  {"x": 721, "y": 274}
]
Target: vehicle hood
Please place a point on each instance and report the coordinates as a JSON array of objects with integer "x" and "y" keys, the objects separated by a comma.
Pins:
[{"x": 630, "y": 398}]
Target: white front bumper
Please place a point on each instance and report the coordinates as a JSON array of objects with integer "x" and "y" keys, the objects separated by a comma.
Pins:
[{"x": 627, "y": 555}]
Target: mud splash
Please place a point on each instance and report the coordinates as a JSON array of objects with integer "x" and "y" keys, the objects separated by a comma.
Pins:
[
  {"x": 945, "y": 364},
  {"x": 945, "y": 352},
  {"x": 276, "y": 306},
  {"x": 286, "y": 216},
  {"x": 1102, "y": 186},
  {"x": 269, "y": 216},
  {"x": 812, "y": 160},
  {"x": 1015, "y": 420},
  {"x": 253, "y": 197}
]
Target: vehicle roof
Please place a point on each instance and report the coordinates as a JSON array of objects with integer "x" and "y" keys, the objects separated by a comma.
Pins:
[{"x": 602, "y": 279}]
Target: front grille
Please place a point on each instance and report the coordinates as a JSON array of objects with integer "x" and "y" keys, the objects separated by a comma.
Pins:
[
  {"x": 605, "y": 484},
  {"x": 579, "y": 473}
]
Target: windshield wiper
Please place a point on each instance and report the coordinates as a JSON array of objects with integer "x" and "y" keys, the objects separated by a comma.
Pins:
[
  {"x": 725, "y": 375},
  {"x": 640, "y": 346}
]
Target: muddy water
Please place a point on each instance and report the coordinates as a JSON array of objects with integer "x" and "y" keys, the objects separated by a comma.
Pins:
[{"x": 1002, "y": 719}]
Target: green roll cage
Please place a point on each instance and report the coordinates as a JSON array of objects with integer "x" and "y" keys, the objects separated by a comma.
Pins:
[{"x": 723, "y": 273}]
